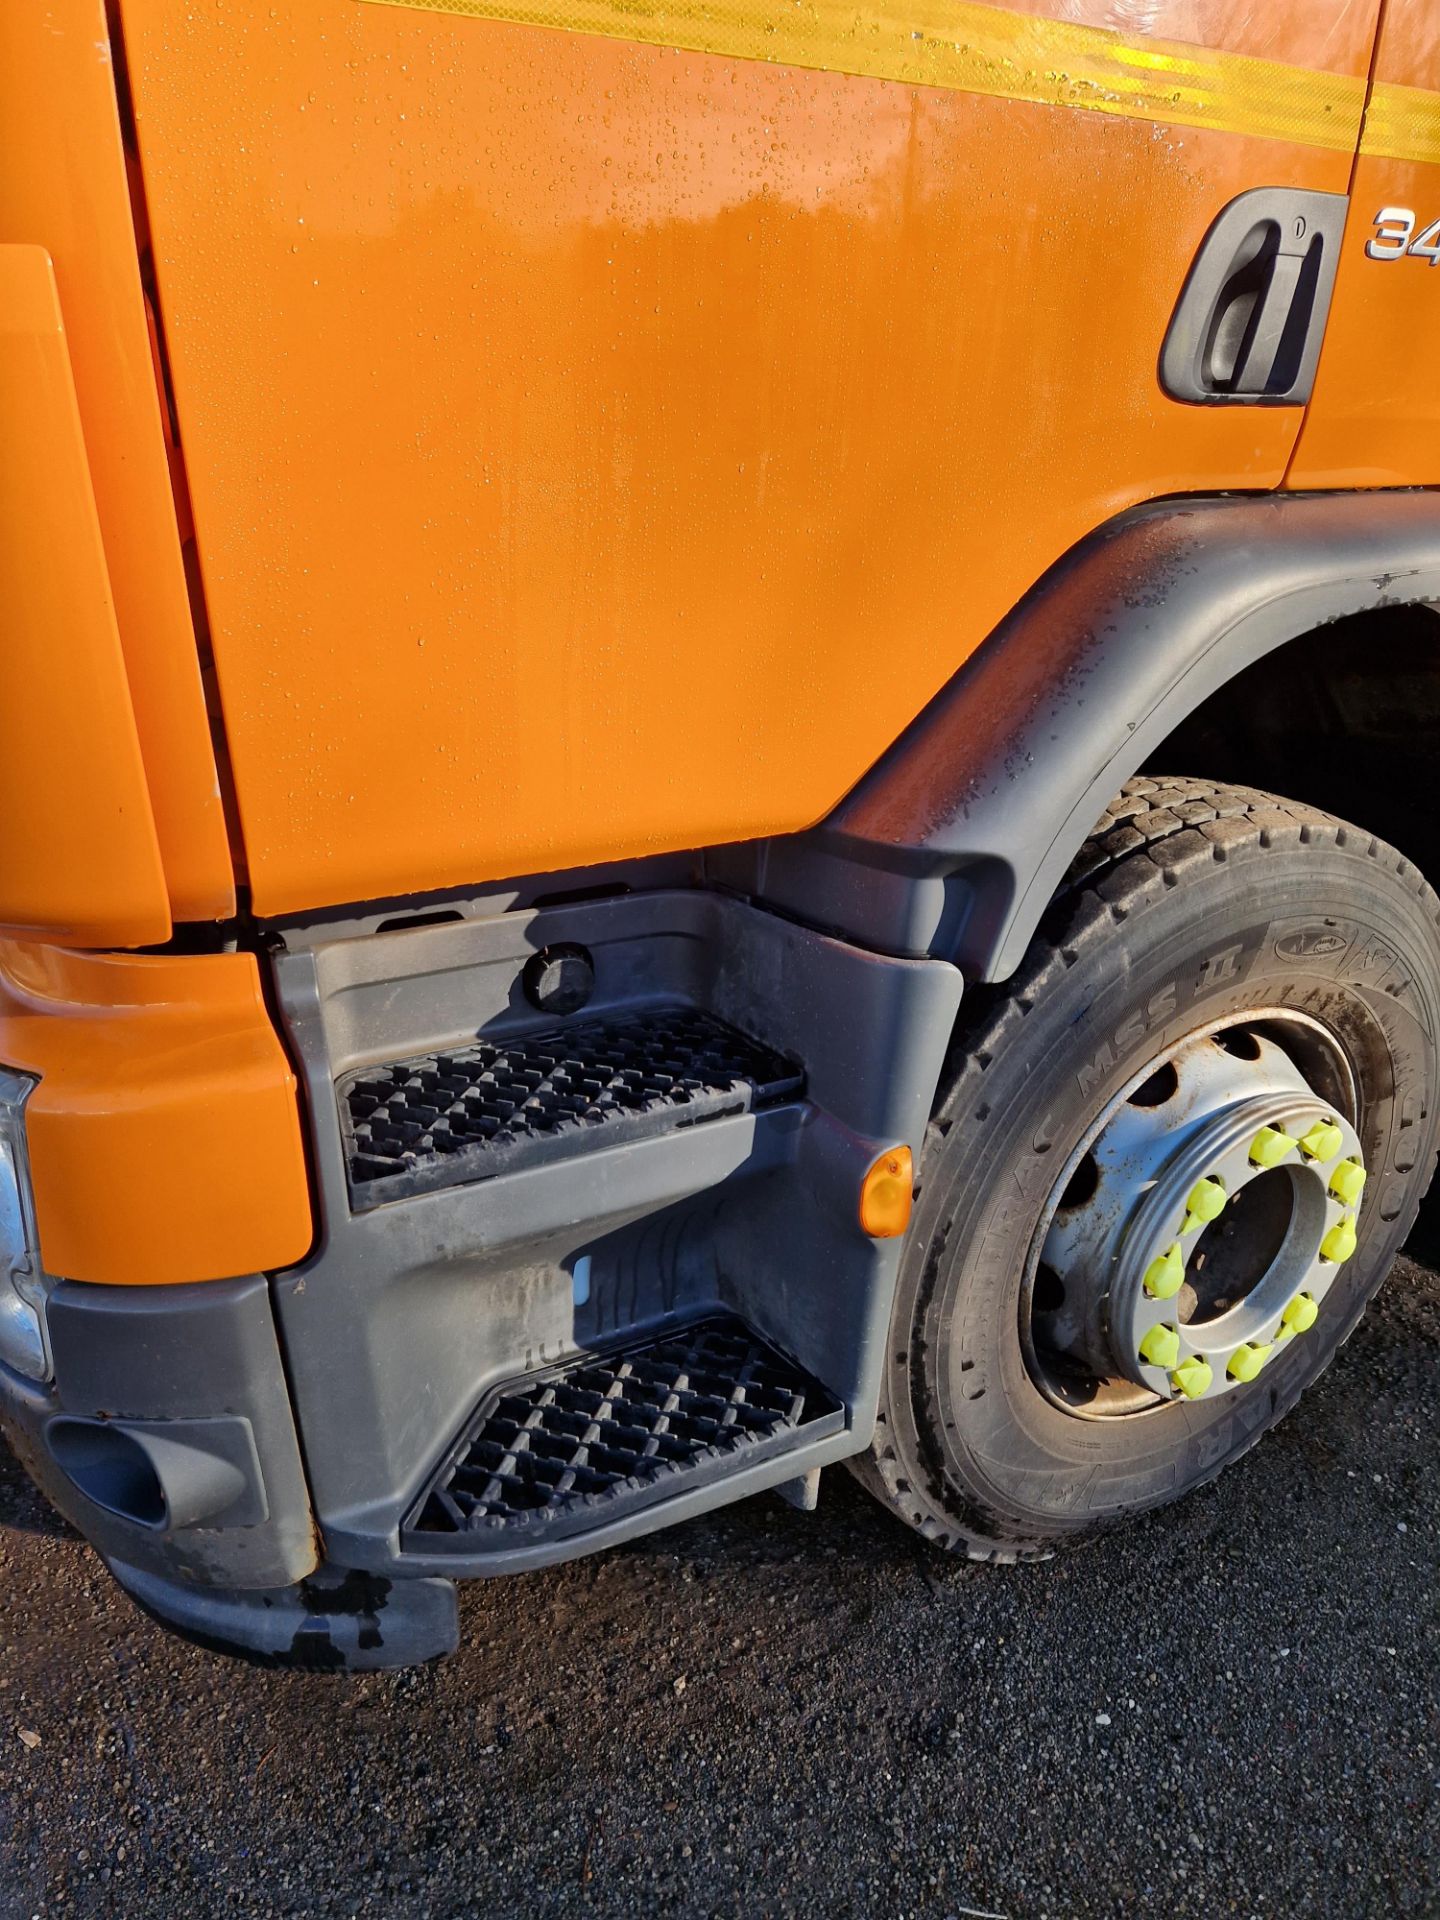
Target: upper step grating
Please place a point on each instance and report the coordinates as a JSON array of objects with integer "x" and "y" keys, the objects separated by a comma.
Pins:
[{"x": 467, "y": 1113}]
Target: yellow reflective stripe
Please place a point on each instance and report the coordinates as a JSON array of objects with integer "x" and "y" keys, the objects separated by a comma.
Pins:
[
  {"x": 968, "y": 48},
  {"x": 1401, "y": 123}
]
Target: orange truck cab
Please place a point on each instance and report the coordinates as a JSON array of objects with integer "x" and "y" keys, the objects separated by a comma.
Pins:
[{"x": 718, "y": 742}]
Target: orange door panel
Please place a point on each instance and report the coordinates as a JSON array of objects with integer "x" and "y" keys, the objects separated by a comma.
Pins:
[
  {"x": 63, "y": 187},
  {"x": 1374, "y": 418},
  {"x": 600, "y": 445}
]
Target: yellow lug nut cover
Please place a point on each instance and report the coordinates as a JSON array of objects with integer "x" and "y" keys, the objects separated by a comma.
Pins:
[
  {"x": 1339, "y": 1242},
  {"x": 1206, "y": 1203},
  {"x": 1322, "y": 1141},
  {"x": 1192, "y": 1377},
  {"x": 1347, "y": 1182},
  {"x": 1161, "y": 1346},
  {"x": 1247, "y": 1361},
  {"x": 1301, "y": 1314},
  {"x": 1270, "y": 1146},
  {"x": 1165, "y": 1277}
]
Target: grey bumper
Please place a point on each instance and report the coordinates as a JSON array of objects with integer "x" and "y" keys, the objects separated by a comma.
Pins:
[{"x": 171, "y": 1414}]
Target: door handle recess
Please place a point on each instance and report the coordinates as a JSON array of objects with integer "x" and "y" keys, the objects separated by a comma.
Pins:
[{"x": 1250, "y": 320}]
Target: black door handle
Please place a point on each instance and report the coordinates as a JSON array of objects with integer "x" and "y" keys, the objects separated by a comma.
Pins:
[{"x": 1250, "y": 321}]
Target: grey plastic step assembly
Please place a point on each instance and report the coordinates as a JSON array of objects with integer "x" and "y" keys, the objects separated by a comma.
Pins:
[{"x": 533, "y": 1195}]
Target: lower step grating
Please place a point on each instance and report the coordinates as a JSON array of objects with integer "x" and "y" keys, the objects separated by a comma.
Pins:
[
  {"x": 493, "y": 1106},
  {"x": 579, "y": 1445}
]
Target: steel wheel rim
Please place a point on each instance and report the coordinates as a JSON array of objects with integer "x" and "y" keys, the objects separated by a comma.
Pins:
[{"x": 1304, "y": 1076}]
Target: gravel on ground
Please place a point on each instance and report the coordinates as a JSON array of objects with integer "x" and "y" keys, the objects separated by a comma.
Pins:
[{"x": 1230, "y": 1708}]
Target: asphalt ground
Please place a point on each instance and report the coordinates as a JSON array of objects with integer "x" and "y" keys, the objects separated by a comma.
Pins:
[{"x": 1227, "y": 1709}]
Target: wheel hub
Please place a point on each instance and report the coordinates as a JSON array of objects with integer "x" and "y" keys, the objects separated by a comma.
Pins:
[{"x": 1203, "y": 1227}]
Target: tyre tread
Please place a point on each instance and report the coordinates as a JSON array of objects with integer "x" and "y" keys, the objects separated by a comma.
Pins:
[{"x": 1157, "y": 831}]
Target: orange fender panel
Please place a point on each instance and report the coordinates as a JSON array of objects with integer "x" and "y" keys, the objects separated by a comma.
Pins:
[
  {"x": 164, "y": 1135},
  {"x": 79, "y": 857}
]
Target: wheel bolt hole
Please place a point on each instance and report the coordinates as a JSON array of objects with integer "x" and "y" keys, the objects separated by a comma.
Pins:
[
  {"x": 1049, "y": 1294},
  {"x": 1082, "y": 1184},
  {"x": 1162, "y": 1085}
]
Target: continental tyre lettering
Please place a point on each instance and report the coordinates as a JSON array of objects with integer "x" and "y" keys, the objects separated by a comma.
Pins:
[{"x": 1128, "y": 1035}]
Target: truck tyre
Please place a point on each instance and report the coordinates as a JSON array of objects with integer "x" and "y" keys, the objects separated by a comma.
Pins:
[{"x": 1169, "y": 1163}]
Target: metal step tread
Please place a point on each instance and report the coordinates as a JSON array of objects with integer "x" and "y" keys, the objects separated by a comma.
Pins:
[
  {"x": 467, "y": 1113},
  {"x": 578, "y": 1445}
]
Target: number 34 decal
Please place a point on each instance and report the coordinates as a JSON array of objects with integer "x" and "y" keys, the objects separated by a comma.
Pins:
[{"x": 1394, "y": 227}]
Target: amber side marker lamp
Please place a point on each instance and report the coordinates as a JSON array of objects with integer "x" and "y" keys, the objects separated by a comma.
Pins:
[{"x": 886, "y": 1194}]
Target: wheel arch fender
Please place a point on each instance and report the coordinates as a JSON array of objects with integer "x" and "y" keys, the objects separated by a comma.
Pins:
[{"x": 958, "y": 837}]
